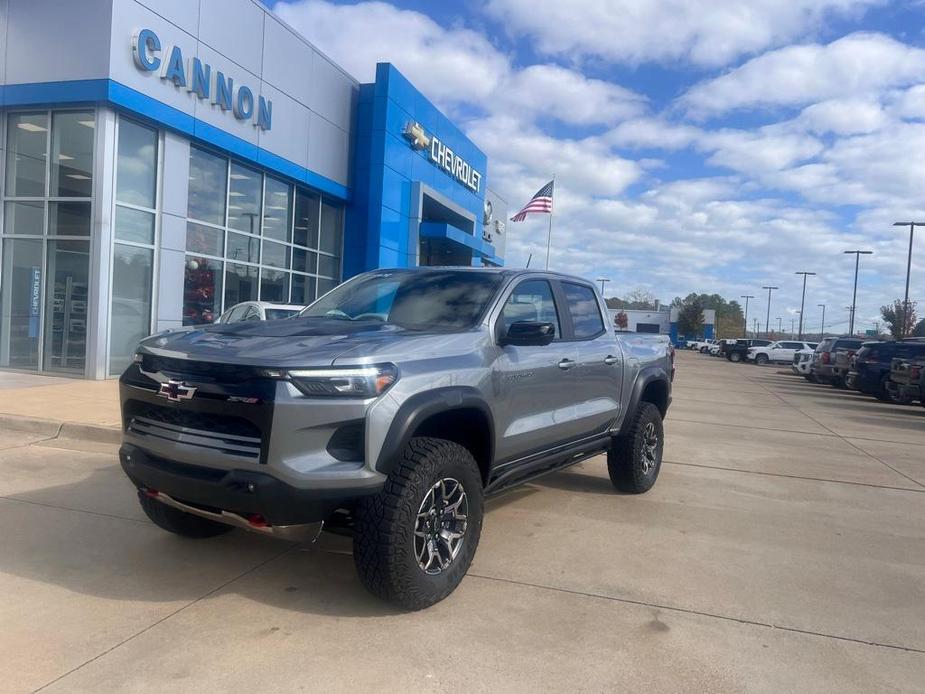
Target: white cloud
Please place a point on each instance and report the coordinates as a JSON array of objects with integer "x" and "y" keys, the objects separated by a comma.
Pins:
[
  {"x": 851, "y": 116},
  {"x": 755, "y": 152},
  {"x": 705, "y": 32},
  {"x": 566, "y": 95},
  {"x": 455, "y": 66},
  {"x": 651, "y": 133},
  {"x": 857, "y": 64},
  {"x": 449, "y": 65}
]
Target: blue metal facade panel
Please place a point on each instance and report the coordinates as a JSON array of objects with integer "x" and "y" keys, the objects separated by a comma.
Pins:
[{"x": 390, "y": 165}]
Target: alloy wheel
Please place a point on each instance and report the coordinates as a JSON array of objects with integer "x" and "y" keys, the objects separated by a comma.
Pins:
[
  {"x": 649, "y": 448},
  {"x": 440, "y": 528}
]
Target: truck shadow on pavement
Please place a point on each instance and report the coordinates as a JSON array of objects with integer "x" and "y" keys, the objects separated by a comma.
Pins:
[{"x": 90, "y": 538}]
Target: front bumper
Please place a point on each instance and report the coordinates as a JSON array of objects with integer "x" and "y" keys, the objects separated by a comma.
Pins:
[{"x": 243, "y": 493}]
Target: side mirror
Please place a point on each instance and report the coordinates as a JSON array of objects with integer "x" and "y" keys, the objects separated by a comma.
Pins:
[{"x": 529, "y": 334}]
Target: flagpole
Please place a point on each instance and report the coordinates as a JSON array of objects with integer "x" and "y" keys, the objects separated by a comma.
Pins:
[{"x": 549, "y": 233}]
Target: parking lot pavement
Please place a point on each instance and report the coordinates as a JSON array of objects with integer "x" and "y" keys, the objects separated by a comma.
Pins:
[{"x": 781, "y": 550}]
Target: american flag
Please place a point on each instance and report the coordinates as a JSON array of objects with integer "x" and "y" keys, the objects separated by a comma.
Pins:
[{"x": 539, "y": 203}]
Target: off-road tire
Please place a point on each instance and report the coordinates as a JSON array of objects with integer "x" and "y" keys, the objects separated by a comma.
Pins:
[
  {"x": 178, "y": 522},
  {"x": 811, "y": 378},
  {"x": 762, "y": 359},
  {"x": 384, "y": 539},
  {"x": 735, "y": 357},
  {"x": 625, "y": 459}
]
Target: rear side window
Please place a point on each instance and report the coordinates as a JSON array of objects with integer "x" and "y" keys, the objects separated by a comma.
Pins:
[
  {"x": 531, "y": 300},
  {"x": 847, "y": 344},
  {"x": 791, "y": 345},
  {"x": 584, "y": 309}
]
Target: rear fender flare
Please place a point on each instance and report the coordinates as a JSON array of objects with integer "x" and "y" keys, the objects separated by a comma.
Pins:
[{"x": 649, "y": 374}]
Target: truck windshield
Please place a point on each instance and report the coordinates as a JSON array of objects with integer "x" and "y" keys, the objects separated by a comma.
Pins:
[{"x": 444, "y": 301}]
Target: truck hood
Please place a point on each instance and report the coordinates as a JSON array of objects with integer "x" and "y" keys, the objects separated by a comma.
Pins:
[{"x": 292, "y": 342}]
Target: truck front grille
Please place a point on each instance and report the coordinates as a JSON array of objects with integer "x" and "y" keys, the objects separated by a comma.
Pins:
[
  {"x": 218, "y": 433},
  {"x": 201, "y": 371}
]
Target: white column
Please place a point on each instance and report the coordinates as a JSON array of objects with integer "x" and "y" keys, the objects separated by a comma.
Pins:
[
  {"x": 172, "y": 238},
  {"x": 101, "y": 235}
]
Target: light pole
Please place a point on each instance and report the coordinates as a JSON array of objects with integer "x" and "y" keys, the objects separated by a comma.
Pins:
[
  {"x": 745, "y": 320},
  {"x": 912, "y": 226},
  {"x": 767, "y": 318},
  {"x": 602, "y": 280},
  {"x": 802, "y": 301},
  {"x": 822, "y": 334},
  {"x": 779, "y": 329},
  {"x": 791, "y": 327},
  {"x": 854, "y": 296}
]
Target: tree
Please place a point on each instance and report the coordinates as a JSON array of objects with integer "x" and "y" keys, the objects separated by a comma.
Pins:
[
  {"x": 893, "y": 314},
  {"x": 621, "y": 320},
  {"x": 919, "y": 329},
  {"x": 690, "y": 315},
  {"x": 641, "y": 300}
]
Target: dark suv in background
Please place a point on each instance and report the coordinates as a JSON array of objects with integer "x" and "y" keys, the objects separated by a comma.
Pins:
[
  {"x": 870, "y": 372},
  {"x": 831, "y": 359},
  {"x": 738, "y": 351}
]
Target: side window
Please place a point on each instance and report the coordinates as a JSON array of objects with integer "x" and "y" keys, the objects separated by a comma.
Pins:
[
  {"x": 253, "y": 313},
  {"x": 791, "y": 345},
  {"x": 235, "y": 314},
  {"x": 585, "y": 311},
  {"x": 531, "y": 301}
]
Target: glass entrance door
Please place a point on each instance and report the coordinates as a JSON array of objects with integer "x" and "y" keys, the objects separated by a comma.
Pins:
[{"x": 21, "y": 297}]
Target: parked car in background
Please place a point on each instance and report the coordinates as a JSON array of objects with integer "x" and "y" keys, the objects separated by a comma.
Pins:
[
  {"x": 738, "y": 350},
  {"x": 719, "y": 349},
  {"x": 704, "y": 346},
  {"x": 832, "y": 349},
  {"x": 871, "y": 369},
  {"x": 802, "y": 364},
  {"x": 779, "y": 352},
  {"x": 907, "y": 380},
  {"x": 258, "y": 310}
]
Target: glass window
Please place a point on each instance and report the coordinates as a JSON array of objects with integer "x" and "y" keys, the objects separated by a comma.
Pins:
[
  {"x": 305, "y": 230},
  {"x": 203, "y": 239},
  {"x": 131, "y": 303},
  {"x": 242, "y": 247},
  {"x": 24, "y": 218},
  {"x": 324, "y": 286},
  {"x": 136, "y": 171},
  {"x": 72, "y": 154},
  {"x": 274, "y": 285},
  {"x": 304, "y": 261},
  {"x": 275, "y": 254},
  {"x": 69, "y": 218},
  {"x": 202, "y": 290},
  {"x": 20, "y": 320},
  {"x": 244, "y": 193},
  {"x": 134, "y": 225},
  {"x": 303, "y": 289},
  {"x": 277, "y": 210},
  {"x": 444, "y": 300},
  {"x": 584, "y": 309},
  {"x": 67, "y": 299},
  {"x": 240, "y": 283},
  {"x": 331, "y": 229},
  {"x": 207, "y": 186},
  {"x": 531, "y": 300},
  {"x": 328, "y": 266},
  {"x": 27, "y": 150}
]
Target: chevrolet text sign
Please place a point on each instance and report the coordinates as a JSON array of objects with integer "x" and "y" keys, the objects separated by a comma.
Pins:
[
  {"x": 444, "y": 157},
  {"x": 200, "y": 79}
]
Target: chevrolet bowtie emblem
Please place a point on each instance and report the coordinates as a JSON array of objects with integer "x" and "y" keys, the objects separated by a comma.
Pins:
[
  {"x": 414, "y": 133},
  {"x": 175, "y": 391}
]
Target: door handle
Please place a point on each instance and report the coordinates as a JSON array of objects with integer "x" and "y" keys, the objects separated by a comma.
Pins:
[
  {"x": 610, "y": 360},
  {"x": 566, "y": 364}
]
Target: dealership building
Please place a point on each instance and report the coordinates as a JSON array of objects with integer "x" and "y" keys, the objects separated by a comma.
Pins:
[{"x": 164, "y": 160}]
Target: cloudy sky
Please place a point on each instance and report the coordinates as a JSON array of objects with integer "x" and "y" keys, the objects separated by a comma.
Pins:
[{"x": 698, "y": 145}]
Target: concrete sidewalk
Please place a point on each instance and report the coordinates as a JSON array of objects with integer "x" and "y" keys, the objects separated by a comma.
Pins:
[{"x": 60, "y": 407}]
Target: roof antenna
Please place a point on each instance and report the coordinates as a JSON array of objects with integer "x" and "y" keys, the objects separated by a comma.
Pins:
[{"x": 528, "y": 261}]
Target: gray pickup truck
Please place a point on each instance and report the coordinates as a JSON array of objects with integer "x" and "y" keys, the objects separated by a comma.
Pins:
[{"x": 392, "y": 405}]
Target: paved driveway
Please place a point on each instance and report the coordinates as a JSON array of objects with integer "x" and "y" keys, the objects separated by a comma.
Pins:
[{"x": 783, "y": 549}]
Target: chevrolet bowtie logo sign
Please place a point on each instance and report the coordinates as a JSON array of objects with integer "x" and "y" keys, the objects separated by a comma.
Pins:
[
  {"x": 175, "y": 391},
  {"x": 442, "y": 156},
  {"x": 414, "y": 133}
]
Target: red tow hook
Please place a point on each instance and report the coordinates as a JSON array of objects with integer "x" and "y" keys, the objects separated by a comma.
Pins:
[
  {"x": 258, "y": 521},
  {"x": 153, "y": 493}
]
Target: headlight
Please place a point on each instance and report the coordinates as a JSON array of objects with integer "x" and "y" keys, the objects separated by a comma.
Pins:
[{"x": 343, "y": 382}]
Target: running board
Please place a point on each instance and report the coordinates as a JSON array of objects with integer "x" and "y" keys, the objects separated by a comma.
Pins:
[{"x": 525, "y": 472}]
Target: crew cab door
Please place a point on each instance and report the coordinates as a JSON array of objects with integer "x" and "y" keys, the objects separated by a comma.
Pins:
[
  {"x": 599, "y": 382},
  {"x": 535, "y": 384}
]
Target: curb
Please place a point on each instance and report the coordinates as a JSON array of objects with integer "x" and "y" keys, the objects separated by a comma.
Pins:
[{"x": 61, "y": 430}]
